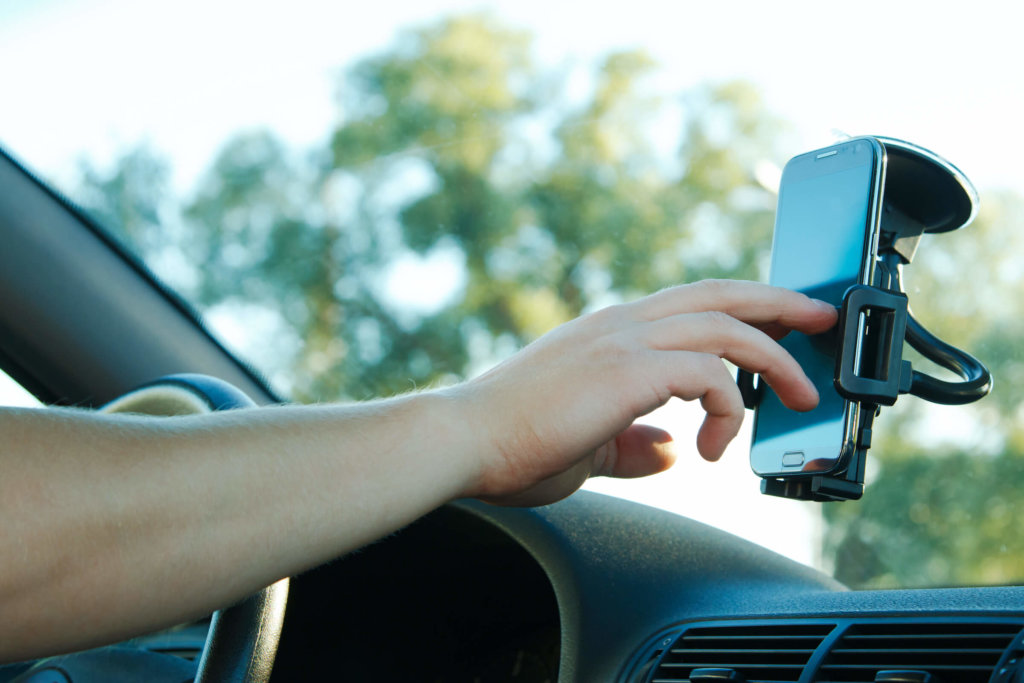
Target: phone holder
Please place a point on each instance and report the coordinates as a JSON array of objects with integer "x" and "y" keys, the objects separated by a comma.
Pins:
[{"x": 922, "y": 193}]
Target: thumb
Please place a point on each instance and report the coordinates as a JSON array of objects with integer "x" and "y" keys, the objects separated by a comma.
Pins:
[{"x": 637, "y": 452}]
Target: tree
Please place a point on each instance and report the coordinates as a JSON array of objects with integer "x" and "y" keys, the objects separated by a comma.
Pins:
[
  {"x": 455, "y": 148},
  {"x": 943, "y": 503},
  {"x": 423, "y": 164},
  {"x": 131, "y": 199}
]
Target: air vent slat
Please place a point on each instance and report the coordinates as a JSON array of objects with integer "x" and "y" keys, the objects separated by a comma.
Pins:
[
  {"x": 718, "y": 663},
  {"x": 751, "y": 636},
  {"x": 924, "y": 636},
  {"x": 751, "y": 680},
  {"x": 958, "y": 649},
  {"x": 762, "y": 653},
  {"x": 923, "y": 664},
  {"x": 917, "y": 650},
  {"x": 749, "y": 651},
  {"x": 964, "y": 650}
]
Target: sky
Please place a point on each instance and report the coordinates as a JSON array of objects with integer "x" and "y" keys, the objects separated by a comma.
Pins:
[
  {"x": 100, "y": 74},
  {"x": 86, "y": 79}
]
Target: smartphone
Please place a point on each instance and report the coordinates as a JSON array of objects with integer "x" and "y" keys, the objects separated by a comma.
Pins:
[{"x": 826, "y": 240}]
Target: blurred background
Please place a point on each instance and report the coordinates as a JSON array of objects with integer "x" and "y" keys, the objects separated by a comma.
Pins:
[{"x": 364, "y": 200}]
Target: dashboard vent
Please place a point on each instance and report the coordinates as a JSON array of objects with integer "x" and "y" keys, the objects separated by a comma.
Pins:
[
  {"x": 955, "y": 651},
  {"x": 762, "y": 653}
]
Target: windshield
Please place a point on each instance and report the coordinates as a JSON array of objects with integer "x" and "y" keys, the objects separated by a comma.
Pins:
[{"x": 366, "y": 203}]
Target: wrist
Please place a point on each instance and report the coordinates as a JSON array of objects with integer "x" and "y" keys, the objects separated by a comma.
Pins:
[{"x": 457, "y": 434}]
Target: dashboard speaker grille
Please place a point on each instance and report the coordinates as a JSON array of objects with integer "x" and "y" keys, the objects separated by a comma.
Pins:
[
  {"x": 954, "y": 650},
  {"x": 762, "y": 653}
]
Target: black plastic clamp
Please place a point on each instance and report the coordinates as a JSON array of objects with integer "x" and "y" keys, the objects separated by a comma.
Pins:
[{"x": 869, "y": 361}]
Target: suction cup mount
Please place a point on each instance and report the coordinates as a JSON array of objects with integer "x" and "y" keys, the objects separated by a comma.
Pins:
[{"x": 922, "y": 193}]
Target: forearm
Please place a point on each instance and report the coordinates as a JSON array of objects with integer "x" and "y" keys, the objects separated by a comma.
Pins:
[
  {"x": 129, "y": 524},
  {"x": 113, "y": 526}
]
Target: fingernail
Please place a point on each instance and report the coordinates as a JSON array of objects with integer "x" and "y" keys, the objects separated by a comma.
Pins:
[{"x": 814, "y": 390}]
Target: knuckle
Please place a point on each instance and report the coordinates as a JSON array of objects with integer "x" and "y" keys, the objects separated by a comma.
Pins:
[
  {"x": 615, "y": 311},
  {"x": 729, "y": 400},
  {"x": 711, "y": 365},
  {"x": 735, "y": 398},
  {"x": 716, "y": 287},
  {"x": 717, "y": 284},
  {"x": 721, "y": 322},
  {"x": 610, "y": 315},
  {"x": 616, "y": 349},
  {"x": 708, "y": 287}
]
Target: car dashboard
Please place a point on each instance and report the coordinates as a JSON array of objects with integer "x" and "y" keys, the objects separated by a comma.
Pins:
[
  {"x": 592, "y": 589},
  {"x": 599, "y": 589}
]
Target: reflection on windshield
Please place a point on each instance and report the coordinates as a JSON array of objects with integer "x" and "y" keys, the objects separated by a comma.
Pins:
[
  {"x": 13, "y": 394},
  {"x": 458, "y": 163}
]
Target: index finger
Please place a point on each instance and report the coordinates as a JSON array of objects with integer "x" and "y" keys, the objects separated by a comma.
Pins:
[{"x": 751, "y": 302}]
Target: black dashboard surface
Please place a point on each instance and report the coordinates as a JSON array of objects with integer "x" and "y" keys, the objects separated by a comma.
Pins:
[{"x": 579, "y": 591}]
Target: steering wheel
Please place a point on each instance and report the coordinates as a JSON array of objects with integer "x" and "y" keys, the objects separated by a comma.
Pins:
[{"x": 242, "y": 640}]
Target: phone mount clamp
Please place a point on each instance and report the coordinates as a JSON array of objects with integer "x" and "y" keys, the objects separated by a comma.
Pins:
[{"x": 923, "y": 193}]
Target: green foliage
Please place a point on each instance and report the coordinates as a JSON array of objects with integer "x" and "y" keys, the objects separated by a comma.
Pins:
[
  {"x": 454, "y": 144},
  {"x": 130, "y": 199},
  {"x": 540, "y": 240},
  {"x": 933, "y": 518},
  {"x": 944, "y": 505}
]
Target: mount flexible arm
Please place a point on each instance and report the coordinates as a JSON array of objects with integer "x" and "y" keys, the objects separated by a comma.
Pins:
[{"x": 977, "y": 380}]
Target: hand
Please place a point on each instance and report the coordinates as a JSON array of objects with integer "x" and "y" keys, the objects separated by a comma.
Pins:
[{"x": 563, "y": 408}]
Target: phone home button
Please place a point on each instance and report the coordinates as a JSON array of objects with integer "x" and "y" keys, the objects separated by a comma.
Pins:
[{"x": 792, "y": 458}]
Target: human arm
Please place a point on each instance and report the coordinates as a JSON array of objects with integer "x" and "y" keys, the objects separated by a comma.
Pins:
[{"x": 118, "y": 525}]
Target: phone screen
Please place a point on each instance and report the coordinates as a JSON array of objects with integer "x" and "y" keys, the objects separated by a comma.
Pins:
[{"x": 822, "y": 246}]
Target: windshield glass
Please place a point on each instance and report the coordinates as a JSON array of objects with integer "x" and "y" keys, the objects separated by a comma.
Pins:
[{"x": 363, "y": 203}]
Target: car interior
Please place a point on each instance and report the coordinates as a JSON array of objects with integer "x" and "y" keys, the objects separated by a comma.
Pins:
[
  {"x": 546, "y": 205},
  {"x": 589, "y": 589}
]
